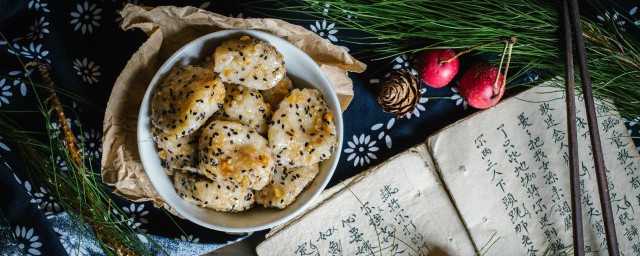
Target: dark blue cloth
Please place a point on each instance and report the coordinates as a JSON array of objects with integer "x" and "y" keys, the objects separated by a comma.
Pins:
[{"x": 82, "y": 41}]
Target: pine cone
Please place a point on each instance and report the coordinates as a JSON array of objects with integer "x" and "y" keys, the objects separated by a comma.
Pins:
[{"x": 399, "y": 93}]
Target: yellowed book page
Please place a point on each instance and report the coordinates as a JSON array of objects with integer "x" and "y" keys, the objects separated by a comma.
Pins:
[
  {"x": 507, "y": 171},
  {"x": 399, "y": 207}
]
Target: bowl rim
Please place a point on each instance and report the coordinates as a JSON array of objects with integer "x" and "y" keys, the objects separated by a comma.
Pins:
[{"x": 145, "y": 107}]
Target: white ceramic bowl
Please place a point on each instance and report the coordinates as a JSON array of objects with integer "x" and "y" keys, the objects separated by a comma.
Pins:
[{"x": 303, "y": 71}]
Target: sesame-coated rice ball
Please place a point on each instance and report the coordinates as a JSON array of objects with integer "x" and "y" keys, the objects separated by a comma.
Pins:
[
  {"x": 177, "y": 154},
  {"x": 230, "y": 150},
  {"x": 223, "y": 195},
  {"x": 246, "y": 106},
  {"x": 249, "y": 61},
  {"x": 285, "y": 186},
  {"x": 302, "y": 131},
  {"x": 185, "y": 99}
]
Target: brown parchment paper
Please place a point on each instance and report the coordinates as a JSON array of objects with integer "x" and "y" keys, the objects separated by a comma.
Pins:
[{"x": 169, "y": 28}]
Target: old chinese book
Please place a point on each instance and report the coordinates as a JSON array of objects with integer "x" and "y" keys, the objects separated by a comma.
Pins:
[{"x": 496, "y": 183}]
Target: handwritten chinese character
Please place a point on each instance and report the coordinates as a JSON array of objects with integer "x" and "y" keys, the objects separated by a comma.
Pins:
[
  {"x": 623, "y": 156},
  {"x": 480, "y": 141},
  {"x": 609, "y": 123},
  {"x": 550, "y": 122},
  {"x": 508, "y": 201},
  {"x": 355, "y": 235},
  {"x": 535, "y": 143},
  {"x": 335, "y": 248},
  {"x": 544, "y": 108},
  {"x": 387, "y": 192},
  {"x": 631, "y": 232},
  {"x": 523, "y": 121},
  {"x": 324, "y": 235},
  {"x": 616, "y": 139}
]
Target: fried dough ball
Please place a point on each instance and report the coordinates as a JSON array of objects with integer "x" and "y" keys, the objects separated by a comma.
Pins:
[
  {"x": 249, "y": 61},
  {"x": 230, "y": 150},
  {"x": 224, "y": 195},
  {"x": 177, "y": 154},
  {"x": 246, "y": 106},
  {"x": 302, "y": 131},
  {"x": 185, "y": 99},
  {"x": 286, "y": 185}
]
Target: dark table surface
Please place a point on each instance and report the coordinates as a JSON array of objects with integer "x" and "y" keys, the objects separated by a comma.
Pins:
[{"x": 82, "y": 41}]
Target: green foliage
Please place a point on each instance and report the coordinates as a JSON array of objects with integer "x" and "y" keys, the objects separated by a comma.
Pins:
[
  {"x": 79, "y": 189},
  {"x": 409, "y": 26}
]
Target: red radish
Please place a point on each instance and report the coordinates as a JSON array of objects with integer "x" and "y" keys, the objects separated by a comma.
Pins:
[
  {"x": 477, "y": 85},
  {"x": 433, "y": 71}
]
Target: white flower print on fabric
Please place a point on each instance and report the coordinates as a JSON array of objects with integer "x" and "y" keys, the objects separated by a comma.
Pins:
[
  {"x": 325, "y": 7},
  {"x": 46, "y": 202},
  {"x": 88, "y": 70},
  {"x": 16, "y": 177},
  {"x": 54, "y": 129},
  {"x": 361, "y": 150},
  {"x": 38, "y": 5},
  {"x": 405, "y": 61},
  {"x": 4, "y": 146},
  {"x": 384, "y": 131},
  {"x": 33, "y": 52},
  {"x": 457, "y": 98},
  {"x": 61, "y": 164},
  {"x": 21, "y": 78},
  {"x": 129, "y": 217},
  {"x": 27, "y": 240},
  {"x": 612, "y": 17},
  {"x": 136, "y": 216},
  {"x": 71, "y": 243},
  {"x": 631, "y": 123},
  {"x": 531, "y": 77},
  {"x": 142, "y": 238},
  {"x": 91, "y": 143},
  {"x": 419, "y": 107},
  {"x": 5, "y": 92},
  {"x": 14, "y": 173},
  {"x": 189, "y": 238},
  {"x": 27, "y": 186},
  {"x": 325, "y": 30},
  {"x": 38, "y": 29},
  {"x": 632, "y": 13},
  {"x": 86, "y": 17}
]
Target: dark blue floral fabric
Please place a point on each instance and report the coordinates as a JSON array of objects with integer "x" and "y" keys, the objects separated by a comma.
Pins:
[{"x": 83, "y": 43}]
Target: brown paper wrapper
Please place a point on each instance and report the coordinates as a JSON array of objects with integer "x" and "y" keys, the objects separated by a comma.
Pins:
[{"x": 169, "y": 28}]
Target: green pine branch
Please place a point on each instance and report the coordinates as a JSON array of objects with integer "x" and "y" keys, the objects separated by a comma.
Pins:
[
  {"x": 79, "y": 190},
  {"x": 394, "y": 27}
]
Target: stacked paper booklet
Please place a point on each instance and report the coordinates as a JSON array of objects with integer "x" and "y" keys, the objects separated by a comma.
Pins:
[{"x": 495, "y": 183}]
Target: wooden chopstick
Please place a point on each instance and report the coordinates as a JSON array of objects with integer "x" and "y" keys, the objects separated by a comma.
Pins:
[
  {"x": 594, "y": 132},
  {"x": 574, "y": 159}
]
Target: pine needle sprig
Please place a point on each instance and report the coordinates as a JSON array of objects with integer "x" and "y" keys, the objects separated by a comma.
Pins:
[
  {"x": 395, "y": 27},
  {"x": 77, "y": 189}
]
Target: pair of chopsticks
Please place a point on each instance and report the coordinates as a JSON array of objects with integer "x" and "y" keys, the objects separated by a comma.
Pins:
[{"x": 571, "y": 20}]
